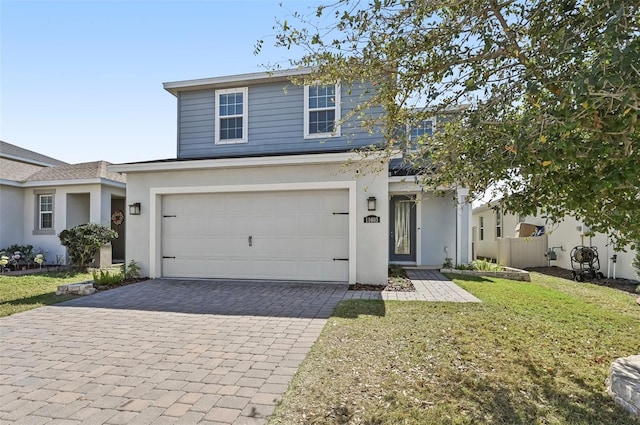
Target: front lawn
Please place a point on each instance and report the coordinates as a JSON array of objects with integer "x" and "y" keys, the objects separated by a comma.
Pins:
[
  {"x": 530, "y": 353},
  {"x": 20, "y": 293}
]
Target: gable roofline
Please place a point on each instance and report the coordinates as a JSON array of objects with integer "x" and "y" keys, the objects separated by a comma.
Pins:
[{"x": 228, "y": 81}]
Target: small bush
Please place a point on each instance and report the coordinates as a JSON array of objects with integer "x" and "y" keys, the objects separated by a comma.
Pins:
[
  {"x": 448, "y": 263},
  {"x": 132, "y": 271},
  {"x": 105, "y": 277},
  {"x": 484, "y": 265}
]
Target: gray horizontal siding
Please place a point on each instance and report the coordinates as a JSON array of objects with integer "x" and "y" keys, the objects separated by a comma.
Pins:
[{"x": 276, "y": 124}]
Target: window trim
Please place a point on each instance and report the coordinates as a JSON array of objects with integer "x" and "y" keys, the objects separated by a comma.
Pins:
[
  {"x": 499, "y": 217},
  {"x": 412, "y": 146},
  {"x": 337, "y": 109},
  {"x": 37, "y": 224},
  {"x": 244, "y": 116},
  {"x": 481, "y": 227}
]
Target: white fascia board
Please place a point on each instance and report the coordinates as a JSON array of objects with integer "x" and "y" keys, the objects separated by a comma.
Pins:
[
  {"x": 13, "y": 183},
  {"x": 175, "y": 87},
  {"x": 50, "y": 183},
  {"x": 263, "y": 161}
]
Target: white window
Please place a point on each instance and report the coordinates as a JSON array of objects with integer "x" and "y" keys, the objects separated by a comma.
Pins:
[
  {"x": 425, "y": 127},
  {"x": 481, "y": 228},
  {"x": 498, "y": 224},
  {"x": 231, "y": 116},
  {"x": 44, "y": 209},
  {"x": 321, "y": 111},
  {"x": 418, "y": 132}
]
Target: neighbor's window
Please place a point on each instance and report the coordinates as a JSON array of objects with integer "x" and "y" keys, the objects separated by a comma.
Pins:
[
  {"x": 231, "y": 116},
  {"x": 481, "y": 228},
  {"x": 498, "y": 224},
  {"x": 44, "y": 210},
  {"x": 321, "y": 111}
]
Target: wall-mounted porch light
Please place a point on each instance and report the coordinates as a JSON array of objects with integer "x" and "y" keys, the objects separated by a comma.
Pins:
[
  {"x": 371, "y": 203},
  {"x": 134, "y": 209}
]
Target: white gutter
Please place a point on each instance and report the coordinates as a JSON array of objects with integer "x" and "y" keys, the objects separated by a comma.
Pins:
[
  {"x": 263, "y": 161},
  {"x": 256, "y": 77},
  {"x": 13, "y": 183},
  {"x": 48, "y": 183}
]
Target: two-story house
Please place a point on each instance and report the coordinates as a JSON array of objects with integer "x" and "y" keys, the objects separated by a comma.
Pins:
[{"x": 268, "y": 184}]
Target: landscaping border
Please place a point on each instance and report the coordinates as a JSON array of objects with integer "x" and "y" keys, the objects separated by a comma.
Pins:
[{"x": 508, "y": 273}]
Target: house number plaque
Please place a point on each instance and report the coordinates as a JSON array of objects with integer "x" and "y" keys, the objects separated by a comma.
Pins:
[{"x": 372, "y": 219}]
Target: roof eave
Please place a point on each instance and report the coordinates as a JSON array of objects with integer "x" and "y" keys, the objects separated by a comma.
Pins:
[{"x": 175, "y": 87}]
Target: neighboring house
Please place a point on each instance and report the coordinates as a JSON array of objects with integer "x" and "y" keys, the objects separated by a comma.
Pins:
[
  {"x": 267, "y": 185},
  {"x": 41, "y": 196},
  {"x": 503, "y": 237}
]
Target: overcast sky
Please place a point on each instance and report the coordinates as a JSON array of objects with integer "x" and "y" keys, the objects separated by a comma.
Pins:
[{"x": 82, "y": 80}]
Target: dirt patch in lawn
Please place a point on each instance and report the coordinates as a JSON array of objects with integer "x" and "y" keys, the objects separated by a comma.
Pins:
[{"x": 625, "y": 285}]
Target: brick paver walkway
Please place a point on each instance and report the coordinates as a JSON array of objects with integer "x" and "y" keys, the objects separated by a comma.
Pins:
[
  {"x": 431, "y": 285},
  {"x": 171, "y": 352}
]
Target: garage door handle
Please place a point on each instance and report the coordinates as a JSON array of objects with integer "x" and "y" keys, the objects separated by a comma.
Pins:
[
  {"x": 340, "y": 259},
  {"x": 168, "y": 257},
  {"x": 250, "y": 240}
]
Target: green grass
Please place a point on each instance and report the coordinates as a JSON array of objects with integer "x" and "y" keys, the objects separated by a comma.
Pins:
[
  {"x": 531, "y": 353},
  {"x": 26, "y": 292}
]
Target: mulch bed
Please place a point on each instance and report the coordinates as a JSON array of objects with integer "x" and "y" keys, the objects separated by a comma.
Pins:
[
  {"x": 619, "y": 284},
  {"x": 395, "y": 284}
]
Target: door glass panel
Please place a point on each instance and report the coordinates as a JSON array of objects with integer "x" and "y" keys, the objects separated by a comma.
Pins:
[{"x": 403, "y": 227}]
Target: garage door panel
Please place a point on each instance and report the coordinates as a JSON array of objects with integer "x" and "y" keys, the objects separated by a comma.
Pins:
[{"x": 294, "y": 235}]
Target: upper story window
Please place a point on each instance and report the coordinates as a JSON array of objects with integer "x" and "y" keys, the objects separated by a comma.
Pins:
[
  {"x": 425, "y": 127},
  {"x": 321, "y": 111},
  {"x": 231, "y": 116},
  {"x": 416, "y": 132},
  {"x": 44, "y": 212}
]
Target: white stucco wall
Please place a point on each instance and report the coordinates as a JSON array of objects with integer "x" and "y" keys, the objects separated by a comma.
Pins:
[
  {"x": 95, "y": 194},
  {"x": 11, "y": 216},
  {"x": 371, "y": 245},
  {"x": 565, "y": 234},
  {"x": 561, "y": 234},
  {"x": 440, "y": 224}
]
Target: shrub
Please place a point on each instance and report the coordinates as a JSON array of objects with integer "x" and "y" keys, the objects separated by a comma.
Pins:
[
  {"x": 484, "y": 265},
  {"x": 102, "y": 277},
  {"x": 448, "y": 263},
  {"x": 132, "y": 271},
  {"x": 84, "y": 241}
]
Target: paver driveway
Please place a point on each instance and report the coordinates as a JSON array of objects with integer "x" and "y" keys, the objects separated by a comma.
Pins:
[{"x": 161, "y": 352}]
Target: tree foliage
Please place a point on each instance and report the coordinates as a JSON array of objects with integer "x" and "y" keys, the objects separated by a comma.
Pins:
[
  {"x": 84, "y": 241},
  {"x": 551, "y": 90}
]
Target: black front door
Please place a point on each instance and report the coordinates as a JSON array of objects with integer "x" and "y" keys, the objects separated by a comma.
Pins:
[{"x": 402, "y": 235}]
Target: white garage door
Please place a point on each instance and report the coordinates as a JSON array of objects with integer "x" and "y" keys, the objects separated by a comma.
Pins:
[{"x": 292, "y": 235}]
